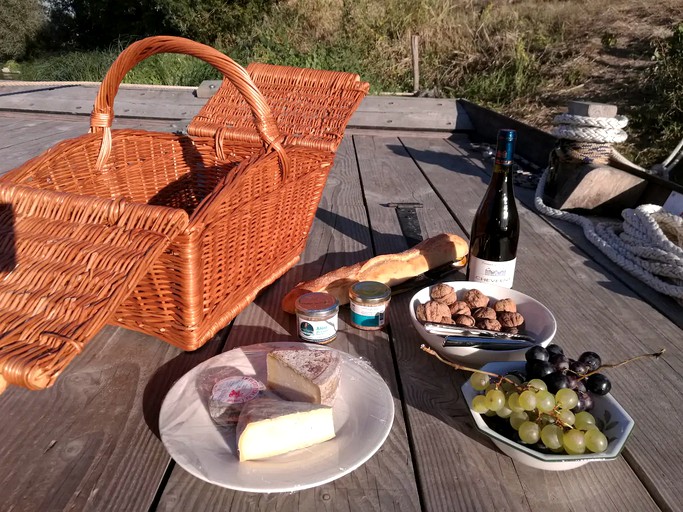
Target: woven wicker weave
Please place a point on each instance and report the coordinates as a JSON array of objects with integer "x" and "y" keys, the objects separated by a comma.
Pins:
[{"x": 194, "y": 225}]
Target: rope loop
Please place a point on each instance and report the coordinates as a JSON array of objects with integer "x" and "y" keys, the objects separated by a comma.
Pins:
[
  {"x": 590, "y": 129},
  {"x": 616, "y": 123},
  {"x": 589, "y": 134},
  {"x": 648, "y": 244}
]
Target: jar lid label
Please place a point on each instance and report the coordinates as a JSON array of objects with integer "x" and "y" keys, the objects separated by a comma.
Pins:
[
  {"x": 370, "y": 290},
  {"x": 316, "y": 302}
]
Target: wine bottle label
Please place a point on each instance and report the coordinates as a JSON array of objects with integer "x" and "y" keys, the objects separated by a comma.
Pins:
[{"x": 500, "y": 273}]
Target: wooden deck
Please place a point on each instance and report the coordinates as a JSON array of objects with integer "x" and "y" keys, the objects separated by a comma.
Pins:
[{"x": 91, "y": 441}]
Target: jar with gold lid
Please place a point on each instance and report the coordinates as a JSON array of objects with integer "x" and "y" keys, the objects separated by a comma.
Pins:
[{"x": 369, "y": 301}]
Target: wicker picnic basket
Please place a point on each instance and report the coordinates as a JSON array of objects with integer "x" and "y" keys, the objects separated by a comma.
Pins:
[{"x": 171, "y": 235}]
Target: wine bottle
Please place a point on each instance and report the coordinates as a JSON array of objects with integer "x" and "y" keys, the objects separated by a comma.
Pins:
[{"x": 495, "y": 229}]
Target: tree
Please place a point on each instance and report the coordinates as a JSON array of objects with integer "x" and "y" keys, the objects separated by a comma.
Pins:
[
  {"x": 98, "y": 24},
  {"x": 207, "y": 20},
  {"x": 20, "y": 23}
]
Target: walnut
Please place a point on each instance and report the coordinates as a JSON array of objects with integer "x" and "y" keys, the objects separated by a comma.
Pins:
[
  {"x": 491, "y": 325},
  {"x": 443, "y": 293},
  {"x": 447, "y": 320},
  {"x": 511, "y": 330},
  {"x": 510, "y": 319},
  {"x": 460, "y": 307},
  {"x": 475, "y": 299},
  {"x": 464, "y": 320},
  {"x": 505, "y": 305},
  {"x": 420, "y": 313},
  {"x": 432, "y": 311},
  {"x": 482, "y": 313}
]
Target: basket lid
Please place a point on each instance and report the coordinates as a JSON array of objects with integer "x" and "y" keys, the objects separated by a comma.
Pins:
[
  {"x": 66, "y": 263},
  {"x": 311, "y": 107}
]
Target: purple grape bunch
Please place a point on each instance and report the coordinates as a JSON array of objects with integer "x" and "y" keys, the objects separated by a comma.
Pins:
[{"x": 552, "y": 366}]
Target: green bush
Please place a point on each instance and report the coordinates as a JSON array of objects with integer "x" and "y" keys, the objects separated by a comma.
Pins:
[
  {"x": 20, "y": 22},
  {"x": 207, "y": 21}
]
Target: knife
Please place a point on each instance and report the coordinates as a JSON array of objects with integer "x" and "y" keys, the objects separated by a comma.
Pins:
[
  {"x": 485, "y": 343},
  {"x": 456, "y": 330}
]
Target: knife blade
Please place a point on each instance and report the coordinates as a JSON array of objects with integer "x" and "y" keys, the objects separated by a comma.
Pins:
[
  {"x": 485, "y": 343},
  {"x": 456, "y": 330}
]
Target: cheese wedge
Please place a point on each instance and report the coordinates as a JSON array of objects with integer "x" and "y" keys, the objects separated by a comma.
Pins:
[
  {"x": 269, "y": 427},
  {"x": 305, "y": 375}
]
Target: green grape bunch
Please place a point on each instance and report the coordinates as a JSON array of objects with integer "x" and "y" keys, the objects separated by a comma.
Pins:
[
  {"x": 547, "y": 406},
  {"x": 538, "y": 416}
]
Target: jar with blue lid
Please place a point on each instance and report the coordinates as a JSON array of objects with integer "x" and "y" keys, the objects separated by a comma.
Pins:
[{"x": 369, "y": 302}]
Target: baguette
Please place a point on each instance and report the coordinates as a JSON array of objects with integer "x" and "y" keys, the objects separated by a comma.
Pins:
[{"x": 390, "y": 269}]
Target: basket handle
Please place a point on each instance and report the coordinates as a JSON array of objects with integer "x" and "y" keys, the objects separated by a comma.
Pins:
[{"x": 102, "y": 115}]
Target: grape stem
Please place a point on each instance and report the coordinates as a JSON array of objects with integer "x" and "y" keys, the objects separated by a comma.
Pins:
[
  {"x": 655, "y": 355},
  {"x": 553, "y": 413},
  {"x": 457, "y": 366}
]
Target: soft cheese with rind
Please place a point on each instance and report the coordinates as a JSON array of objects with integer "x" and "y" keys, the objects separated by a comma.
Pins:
[
  {"x": 305, "y": 375},
  {"x": 269, "y": 427}
]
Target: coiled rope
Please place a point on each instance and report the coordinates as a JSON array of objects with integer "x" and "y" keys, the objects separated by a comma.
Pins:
[{"x": 649, "y": 242}]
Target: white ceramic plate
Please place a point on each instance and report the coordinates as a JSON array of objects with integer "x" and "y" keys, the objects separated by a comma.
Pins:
[
  {"x": 614, "y": 421},
  {"x": 540, "y": 324},
  {"x": 363, "y": 416}
]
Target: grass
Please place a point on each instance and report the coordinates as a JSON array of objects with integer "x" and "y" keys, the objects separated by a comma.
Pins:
[
  {"x": 165, "y": 69},
  {"x": 525, "y": 59}
]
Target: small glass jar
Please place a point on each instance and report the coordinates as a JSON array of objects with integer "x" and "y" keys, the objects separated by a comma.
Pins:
[
  {"x": 369, "y": 305},
  {"x": 317, "y": 317}
]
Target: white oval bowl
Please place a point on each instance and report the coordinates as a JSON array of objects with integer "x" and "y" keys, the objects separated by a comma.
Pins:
[
  {"x": 539, "y": 323},
  {"x": 617, "y": 426}
]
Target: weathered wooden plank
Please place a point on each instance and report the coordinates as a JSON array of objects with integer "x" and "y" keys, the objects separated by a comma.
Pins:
[
  {"x": 386, "y": 166},
  {"x": 26, "y": 135},
  {"x": 396, "y": 112},
  {"x": 534, "y": 144},
  {"x": 129, "y": 102},
  {"x": 666, "y": 305},
  {"x": 90, "y": 439},
  {"x": 33, "y": 131},
  {"x": 393, "y": 112},
  {"x": 454, "y": 473},
  {"x": 339, "y": 236},
  {"x": 408, "y": 121},
  {"x": 594, "y": 312},
  {"x": 441, "y": 134},
  {"x": 8, "y": 87}
]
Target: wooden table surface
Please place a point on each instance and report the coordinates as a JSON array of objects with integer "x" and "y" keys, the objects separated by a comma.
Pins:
[{"x": 91, "y": 441}]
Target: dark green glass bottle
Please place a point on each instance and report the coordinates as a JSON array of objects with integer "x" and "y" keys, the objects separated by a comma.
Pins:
[{"x": 495, "y": 229}]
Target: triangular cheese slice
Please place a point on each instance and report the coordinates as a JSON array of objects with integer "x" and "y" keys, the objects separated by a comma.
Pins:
[{"x": 269, "y": 427}]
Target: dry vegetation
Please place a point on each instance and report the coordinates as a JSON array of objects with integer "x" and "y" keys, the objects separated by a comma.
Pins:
[{"x": 526, "y": 58}]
